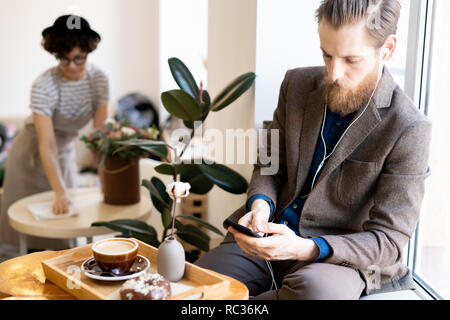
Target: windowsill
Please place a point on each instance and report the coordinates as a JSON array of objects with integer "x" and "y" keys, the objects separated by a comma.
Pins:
[{"x": 418, "y": 294}]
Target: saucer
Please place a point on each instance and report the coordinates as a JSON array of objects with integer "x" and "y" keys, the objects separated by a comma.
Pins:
[{"x": 93, "y": 271}]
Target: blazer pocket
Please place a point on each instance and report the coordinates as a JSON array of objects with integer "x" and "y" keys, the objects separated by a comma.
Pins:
[{"x": 357, "y": 181}]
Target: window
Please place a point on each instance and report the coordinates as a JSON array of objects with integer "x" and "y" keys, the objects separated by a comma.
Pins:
[
  {"x": 431, "y": 263},
  {"x": 397, "y": 64}
]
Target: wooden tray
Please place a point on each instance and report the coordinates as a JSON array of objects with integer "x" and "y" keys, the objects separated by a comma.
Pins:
[{"x": 65, "y": 272}]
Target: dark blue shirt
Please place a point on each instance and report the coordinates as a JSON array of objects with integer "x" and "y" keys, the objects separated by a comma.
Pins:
[{"x": 335, "y": 126}]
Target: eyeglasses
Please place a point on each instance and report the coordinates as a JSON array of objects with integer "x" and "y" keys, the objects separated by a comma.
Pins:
[{"x": 78, "y": 60}]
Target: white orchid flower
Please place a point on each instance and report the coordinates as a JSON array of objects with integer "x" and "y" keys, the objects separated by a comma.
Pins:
[
  {"x": 110, "y": 121},
  {"x": 128, "y": 131},
  {"x": 153, "y": 133},
  {"x": 178, "y": 190}
]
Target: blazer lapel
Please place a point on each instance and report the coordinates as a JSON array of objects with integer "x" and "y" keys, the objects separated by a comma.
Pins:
[
  {"x": 355, "y": 135},
  {"x": 311, "y": 126},
  {"x": 366, "y": 123}
]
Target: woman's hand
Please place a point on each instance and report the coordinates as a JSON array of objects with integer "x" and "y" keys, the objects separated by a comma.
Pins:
[
  {"x": 48, "y": 152},
  {"x": 61, "y": 204}
]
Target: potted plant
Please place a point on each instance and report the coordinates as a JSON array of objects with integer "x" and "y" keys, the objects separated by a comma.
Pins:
[
  {"x": 118, "y": 146},
  {"x": 192, "y": 104}
]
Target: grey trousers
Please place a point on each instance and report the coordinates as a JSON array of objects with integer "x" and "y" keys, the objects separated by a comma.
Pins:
[{"x": 295, "y": 280}]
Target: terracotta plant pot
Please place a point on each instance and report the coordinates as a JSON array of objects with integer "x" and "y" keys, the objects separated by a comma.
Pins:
[{"x": 121, "y": 181}]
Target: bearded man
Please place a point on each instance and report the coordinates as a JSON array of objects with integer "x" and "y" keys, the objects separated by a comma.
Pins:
[{"x": 353, "y": 158}]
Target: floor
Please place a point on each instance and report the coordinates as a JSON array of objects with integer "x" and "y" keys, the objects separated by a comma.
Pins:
[{"x": 7, "y": 252}]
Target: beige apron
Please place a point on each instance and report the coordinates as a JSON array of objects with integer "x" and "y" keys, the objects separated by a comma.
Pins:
[{"x": 25, "y": 176}]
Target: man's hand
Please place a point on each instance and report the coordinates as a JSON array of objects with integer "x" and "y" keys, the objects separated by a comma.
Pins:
[
  {"x": 258, "y": 217},
  {"x": 284, "y": 244}
]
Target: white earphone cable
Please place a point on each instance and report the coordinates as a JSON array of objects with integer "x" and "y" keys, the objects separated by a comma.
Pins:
[
  {"x": 325, "y": 157},
  {"x": 323, "y": 140}
]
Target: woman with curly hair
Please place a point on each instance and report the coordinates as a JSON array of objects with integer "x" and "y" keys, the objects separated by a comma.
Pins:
[{"x": 64, "y": 99}]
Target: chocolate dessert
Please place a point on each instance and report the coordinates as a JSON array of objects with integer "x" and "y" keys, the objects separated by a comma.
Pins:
[{"x": 150, "y": 286}]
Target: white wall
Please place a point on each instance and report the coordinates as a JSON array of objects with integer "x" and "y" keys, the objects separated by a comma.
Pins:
[
  {"x": 287, "y": 38},
  {"x": 128, "y": 53},
  {"x": 231, "y": 52},
  {"x": 184, "y": 34}
]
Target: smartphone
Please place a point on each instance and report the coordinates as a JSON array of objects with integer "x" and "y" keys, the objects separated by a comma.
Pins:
[{"x": 241, "y": 228}]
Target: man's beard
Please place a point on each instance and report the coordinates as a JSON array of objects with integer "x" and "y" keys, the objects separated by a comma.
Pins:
[{"x": 346, "y": 101}]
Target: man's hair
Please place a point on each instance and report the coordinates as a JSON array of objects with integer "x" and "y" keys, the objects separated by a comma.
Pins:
[{"x": 381, "y": 16}]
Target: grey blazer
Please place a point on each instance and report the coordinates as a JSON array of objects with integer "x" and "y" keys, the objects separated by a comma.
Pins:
[{"x": 367, "y": 200}]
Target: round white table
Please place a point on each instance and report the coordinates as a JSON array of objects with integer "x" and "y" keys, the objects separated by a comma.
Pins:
[{"x": 91, "y": 208}]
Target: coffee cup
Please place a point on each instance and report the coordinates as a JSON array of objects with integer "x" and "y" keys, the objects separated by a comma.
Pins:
[{"x": 115, "y": 255}]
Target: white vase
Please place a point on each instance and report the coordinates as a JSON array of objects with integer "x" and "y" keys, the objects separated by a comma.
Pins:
[{"x": 171, "y": 259}]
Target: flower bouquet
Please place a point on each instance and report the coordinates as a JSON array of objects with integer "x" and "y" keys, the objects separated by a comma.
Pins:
[{"x": 118, "y": 146}]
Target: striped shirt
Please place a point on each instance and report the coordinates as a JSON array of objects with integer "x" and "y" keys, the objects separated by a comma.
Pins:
[{"x": 72, "y": 99}]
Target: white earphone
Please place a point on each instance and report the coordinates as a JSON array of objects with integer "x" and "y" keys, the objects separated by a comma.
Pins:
[{"x": 386, "y": 52}]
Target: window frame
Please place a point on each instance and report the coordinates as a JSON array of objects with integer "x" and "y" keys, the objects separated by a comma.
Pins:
[{"x": 417, "y": 86}]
